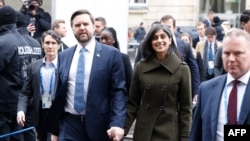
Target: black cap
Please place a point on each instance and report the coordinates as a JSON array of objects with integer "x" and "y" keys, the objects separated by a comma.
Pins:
[
  {"x": 216, "y": 19},
  {"x": 7, "y": 15},
  {"x": 21, "y": 22}
]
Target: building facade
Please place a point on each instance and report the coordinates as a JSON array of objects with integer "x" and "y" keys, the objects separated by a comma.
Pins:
[{"x": 186, "y": 12}]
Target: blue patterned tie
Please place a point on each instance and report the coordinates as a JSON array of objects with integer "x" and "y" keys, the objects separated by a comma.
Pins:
[
  {"x": 210, "y": 58},
  {"x": 79, "y": 84}
]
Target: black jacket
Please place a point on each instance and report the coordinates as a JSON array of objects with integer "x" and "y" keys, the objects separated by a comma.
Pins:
[
  {"x": 42, "y": 22},
  {"x": 10, "y": 68},
  {"x": 16, "y": 54},
  {"x": 220, "y": 31}
]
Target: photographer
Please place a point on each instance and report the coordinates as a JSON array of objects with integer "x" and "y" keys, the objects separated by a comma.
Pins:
[{"x": 39, "y": 20}]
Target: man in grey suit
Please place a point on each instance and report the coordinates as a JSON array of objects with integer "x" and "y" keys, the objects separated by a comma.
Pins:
[
  {"x": 39, "y": 87},
  {"x": 216, "y": 106}
]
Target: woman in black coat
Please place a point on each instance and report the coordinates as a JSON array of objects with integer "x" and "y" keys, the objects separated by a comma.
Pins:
[{"x": 108, "y": 36}]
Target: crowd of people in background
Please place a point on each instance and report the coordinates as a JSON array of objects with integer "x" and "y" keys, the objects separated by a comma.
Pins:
[{"x": 180, "y": 88}]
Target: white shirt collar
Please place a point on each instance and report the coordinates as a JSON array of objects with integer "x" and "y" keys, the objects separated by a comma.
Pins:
[
  {"x": 54, "y": 62},
  {"x": 90, "y": 47},
  {"x": 243, "y": 79},
  {"x": 202, "y": 38}
]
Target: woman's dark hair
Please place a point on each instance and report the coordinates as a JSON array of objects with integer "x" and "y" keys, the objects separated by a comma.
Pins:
[
  {"x": 53, "y": 34},
  {"x": 114, "y": 35},
  {"x": 245, "y": 16},
  {"x": 147, "y": 49}
]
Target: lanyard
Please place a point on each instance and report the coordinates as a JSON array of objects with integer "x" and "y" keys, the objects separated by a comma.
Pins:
[{"x": 51, "y": 81}]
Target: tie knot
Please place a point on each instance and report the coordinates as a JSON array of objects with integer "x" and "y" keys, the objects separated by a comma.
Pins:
[
  {"x": 82, "y": 50},
  {"x": 235, "y": 82}
]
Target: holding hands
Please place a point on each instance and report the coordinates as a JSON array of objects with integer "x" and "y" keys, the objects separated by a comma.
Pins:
[{"x": 115, "y": 133}]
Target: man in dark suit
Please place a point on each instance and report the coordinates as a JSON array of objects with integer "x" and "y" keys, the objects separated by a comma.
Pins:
[
  {"x": 101, "y": 113},
  {"x": 40, "y": 83},
  {"x": 186, "y": 53},
  {"x": 208, "y": 21},
  {"x": 200, "y": 27},
  {"x": 215, "y": 107}
]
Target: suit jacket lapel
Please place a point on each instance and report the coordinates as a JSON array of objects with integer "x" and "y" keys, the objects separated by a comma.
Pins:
[
  {"x": 245, "y": 108},
  {"x": 215, "y": 104},
  {"x": 37, "y": 68},
  {"x": 96, "y": 60},
  {"x": 56, "y": 80},
  {"x": 215, "y": 47},
  {"x": 65, "y": 64},
  {"x": 205, "y": 63}
]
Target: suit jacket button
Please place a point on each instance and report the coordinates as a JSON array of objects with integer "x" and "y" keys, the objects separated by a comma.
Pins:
[
  {"x": 161, "y": 108},
  {"x": 147, "y": 107},
  {"x": 148, "y": 86}
]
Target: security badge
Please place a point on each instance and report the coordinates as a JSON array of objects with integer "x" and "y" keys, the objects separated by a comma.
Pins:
[
  {"x": 210, "y": 64},
  {"x": 46, "y": 101}
]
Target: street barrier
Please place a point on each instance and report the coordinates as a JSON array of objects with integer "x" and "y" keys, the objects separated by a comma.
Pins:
[{"x": 16, "y": 132}]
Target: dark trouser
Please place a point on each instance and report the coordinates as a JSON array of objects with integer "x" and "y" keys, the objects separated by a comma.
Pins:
[
  {"x": 29, "y": 135},
  {"x": 73, "y": 128},
  {"x": 8, "y": 124},
  {"x": 41, "y": 129}
]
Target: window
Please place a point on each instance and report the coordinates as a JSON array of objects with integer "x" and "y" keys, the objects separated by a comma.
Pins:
[{"x": 222, "y": 6}]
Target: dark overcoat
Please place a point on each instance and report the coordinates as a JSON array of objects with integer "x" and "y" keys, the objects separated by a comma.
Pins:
[{"x": 160, "y": 100}]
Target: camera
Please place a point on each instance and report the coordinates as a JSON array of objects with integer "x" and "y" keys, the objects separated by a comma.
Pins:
[{"x": 31, "y": 7}]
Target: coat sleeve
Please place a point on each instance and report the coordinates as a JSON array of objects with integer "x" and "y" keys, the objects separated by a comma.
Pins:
[
  {"x": 134, "y": 100},
  {"x": 185, "y": 103},
  {"x": 26, "y": 93},
  {"x": 118, "y": 92},
  {"x": 44, "y": 20},
  {"x": 128, "y": 71},
  {"x": 192, "y": 63},
  {"x": 196, "y": 128}
]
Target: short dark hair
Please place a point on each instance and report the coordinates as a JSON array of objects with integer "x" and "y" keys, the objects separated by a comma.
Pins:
[
  {"x": 81, "y": 12},
  {"x": 210, "y": 31},
  {"x": 245, "y": 16},
  {"x": 53, "y": 34},
  {"x": 216, "y": 19},
  {"x": 167, "y": 17}
]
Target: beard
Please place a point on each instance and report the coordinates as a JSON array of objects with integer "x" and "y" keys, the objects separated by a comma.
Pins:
[{"x": 83, "y": 39}]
